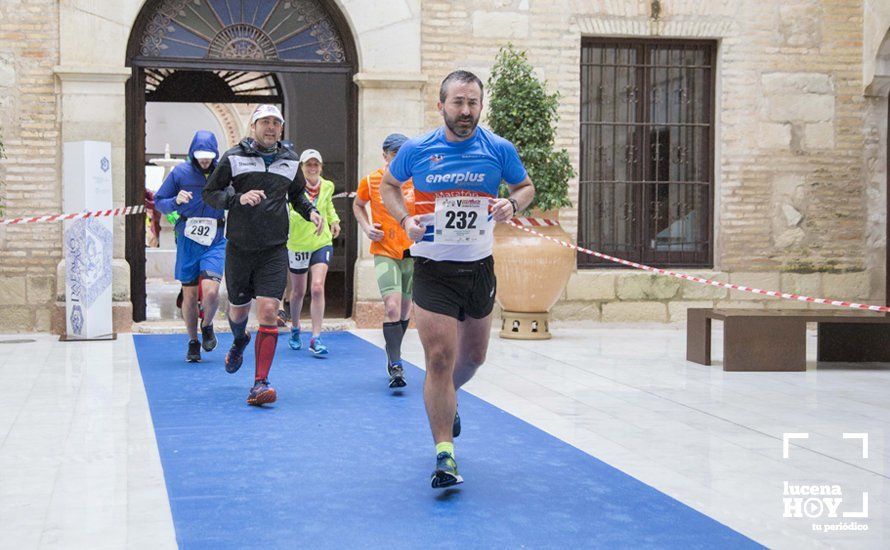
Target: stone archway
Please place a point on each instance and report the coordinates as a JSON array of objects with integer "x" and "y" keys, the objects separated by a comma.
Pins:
[
  {"x": 93, "y": 77},
  {"x": 285, "y": 52},
  {"x": 230, "y": 121}
]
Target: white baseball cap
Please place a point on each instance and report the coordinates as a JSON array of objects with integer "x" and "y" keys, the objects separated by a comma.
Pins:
[
  {"x": 263, "y": 111},
  {"x": 310, "y": 154},
  {"x": 204, "y": 155}
]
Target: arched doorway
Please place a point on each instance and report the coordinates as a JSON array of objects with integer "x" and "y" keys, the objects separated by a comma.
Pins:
[{"x": 297, "y": 53}]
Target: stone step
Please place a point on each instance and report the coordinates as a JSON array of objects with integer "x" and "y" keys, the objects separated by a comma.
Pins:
[
  {"x": 160, "y": 300},
  {"x": 221, "y": 325}
]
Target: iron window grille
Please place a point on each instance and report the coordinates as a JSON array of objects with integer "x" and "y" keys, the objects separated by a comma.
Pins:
[{"x": 647, "y": 151}]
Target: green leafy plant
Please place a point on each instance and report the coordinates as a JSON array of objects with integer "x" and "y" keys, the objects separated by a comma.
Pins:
[{"x": 521, "y": 110}]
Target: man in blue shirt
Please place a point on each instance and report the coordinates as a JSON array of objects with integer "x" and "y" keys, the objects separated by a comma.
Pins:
[
  {"x": 200, "y": 240},
  {"x": 456, "y": 170}
]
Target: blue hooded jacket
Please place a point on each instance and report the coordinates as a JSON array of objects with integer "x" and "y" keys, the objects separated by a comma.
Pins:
[{"x": 189, "y": 176}]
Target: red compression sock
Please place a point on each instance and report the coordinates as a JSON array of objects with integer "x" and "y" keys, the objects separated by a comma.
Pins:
[{"x": 264, "y": 349}]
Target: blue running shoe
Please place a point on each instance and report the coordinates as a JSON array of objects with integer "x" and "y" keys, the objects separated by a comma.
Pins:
[
  {"x": 396, "y": 375},
  {"x": 236, "y": 354},
  {"x": 455, "y": 426},
  {"x": 446, "y": 472},
  {"x": 295, "y": 341},
  {"x": 261, "y": 393},
  {"x": 316, "y": 347}
]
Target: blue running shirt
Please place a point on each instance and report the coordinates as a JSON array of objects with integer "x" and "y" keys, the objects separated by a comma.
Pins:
[{"x": 452, "y": 184}]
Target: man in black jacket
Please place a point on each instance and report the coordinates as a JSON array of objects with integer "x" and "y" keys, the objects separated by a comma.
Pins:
[{"x": 254, "y": 181}]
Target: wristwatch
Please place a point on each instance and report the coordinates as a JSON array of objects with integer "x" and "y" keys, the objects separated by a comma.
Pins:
[{"x": 514, "y": 204}]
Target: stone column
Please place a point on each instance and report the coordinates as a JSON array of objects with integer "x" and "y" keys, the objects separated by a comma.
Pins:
[
  {"x": 92, "y": 107},
  {"x": 876, "y": 181},
  {"x": 388, "y": 102}
]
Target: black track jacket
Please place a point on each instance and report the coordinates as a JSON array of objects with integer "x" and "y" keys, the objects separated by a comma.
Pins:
[{"x": 242, "y": 169}]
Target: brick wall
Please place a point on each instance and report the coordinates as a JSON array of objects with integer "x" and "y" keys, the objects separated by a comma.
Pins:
[
  {"x": 29, "y": 48},
  {"x": 790, "y": 190}
]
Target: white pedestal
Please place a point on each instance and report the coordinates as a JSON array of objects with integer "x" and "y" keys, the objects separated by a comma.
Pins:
[{"x": 89, "y": 243}]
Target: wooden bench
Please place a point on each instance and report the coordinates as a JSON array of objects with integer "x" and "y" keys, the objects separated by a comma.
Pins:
[{"x": 775, "y": 340}]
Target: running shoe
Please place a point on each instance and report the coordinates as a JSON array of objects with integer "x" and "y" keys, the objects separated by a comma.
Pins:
[
  {"x": 446, "y": 472},
  {"x": 261, "y": 393},
  {"x": 194, "y": 353},
  {"x": 396, "y": 375},
  {"x": 283, "y": 318},
  {"x": 316, "y": 347},
  {"x": 295, "y": 341},
  {"x": 208, "y": 338},
  {"x": 236, "y": 353},
  {"x": 455, "y": 426}
]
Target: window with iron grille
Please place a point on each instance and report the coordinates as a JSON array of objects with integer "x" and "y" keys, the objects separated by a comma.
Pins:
[{"x": 647, "y": 155}]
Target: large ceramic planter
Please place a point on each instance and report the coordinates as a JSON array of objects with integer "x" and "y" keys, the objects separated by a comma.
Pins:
[{"x": 532, "y": 273}]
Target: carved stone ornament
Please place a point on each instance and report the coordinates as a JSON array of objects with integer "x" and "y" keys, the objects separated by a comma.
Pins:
[{"x": 179, "y": 27}]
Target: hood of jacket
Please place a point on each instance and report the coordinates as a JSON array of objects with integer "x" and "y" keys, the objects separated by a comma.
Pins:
[{"x": 204, "y": 141}]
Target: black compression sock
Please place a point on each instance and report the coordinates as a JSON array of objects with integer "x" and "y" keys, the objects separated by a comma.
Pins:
[
  {"x": 392, "y": 334},
  {"x": 404, "y": 324},
  {"x": 238, "y": 329}
]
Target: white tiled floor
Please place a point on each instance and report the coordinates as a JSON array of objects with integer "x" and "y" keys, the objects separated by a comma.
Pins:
[{"x": 79, "y": 466}]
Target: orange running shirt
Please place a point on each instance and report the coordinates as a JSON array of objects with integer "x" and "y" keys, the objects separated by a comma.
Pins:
[{"x": 395, "y": 241}]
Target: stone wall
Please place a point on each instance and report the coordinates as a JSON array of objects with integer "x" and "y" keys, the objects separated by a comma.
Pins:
[
  {"x": 630, "y": 295},
  {"x": 790, "y": 190},
  {"x": 799, "y": 153},
  {"x": 29, "y": 122}
]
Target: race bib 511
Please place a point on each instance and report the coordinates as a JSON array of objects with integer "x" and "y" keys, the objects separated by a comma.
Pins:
[{"x": 298, "y": 260}]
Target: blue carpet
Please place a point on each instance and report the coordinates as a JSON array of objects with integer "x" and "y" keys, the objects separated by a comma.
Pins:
[{"x": 339, "y": 461}]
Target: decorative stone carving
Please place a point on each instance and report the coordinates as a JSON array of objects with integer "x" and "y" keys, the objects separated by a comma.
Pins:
[{"x": 191, "y": 26}]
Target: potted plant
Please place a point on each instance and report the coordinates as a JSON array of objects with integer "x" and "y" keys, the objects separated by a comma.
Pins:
[{"x": 532, "y": 271}]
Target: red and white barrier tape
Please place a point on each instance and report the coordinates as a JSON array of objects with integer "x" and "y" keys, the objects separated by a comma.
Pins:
[
  {"x": 124, "y": 211},
  {"x": 685, "y": 277},
  {"x": 521, "y": 224},
  {"x": 534, "y": 222}
]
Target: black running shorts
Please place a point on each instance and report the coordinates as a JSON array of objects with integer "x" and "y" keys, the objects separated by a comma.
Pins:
[
  {"x": 253, "y": 273},
  {"x": 455, "y": 289}
]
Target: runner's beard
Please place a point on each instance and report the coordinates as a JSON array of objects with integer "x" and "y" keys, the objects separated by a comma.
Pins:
[{"x": 461, "y": 131}]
